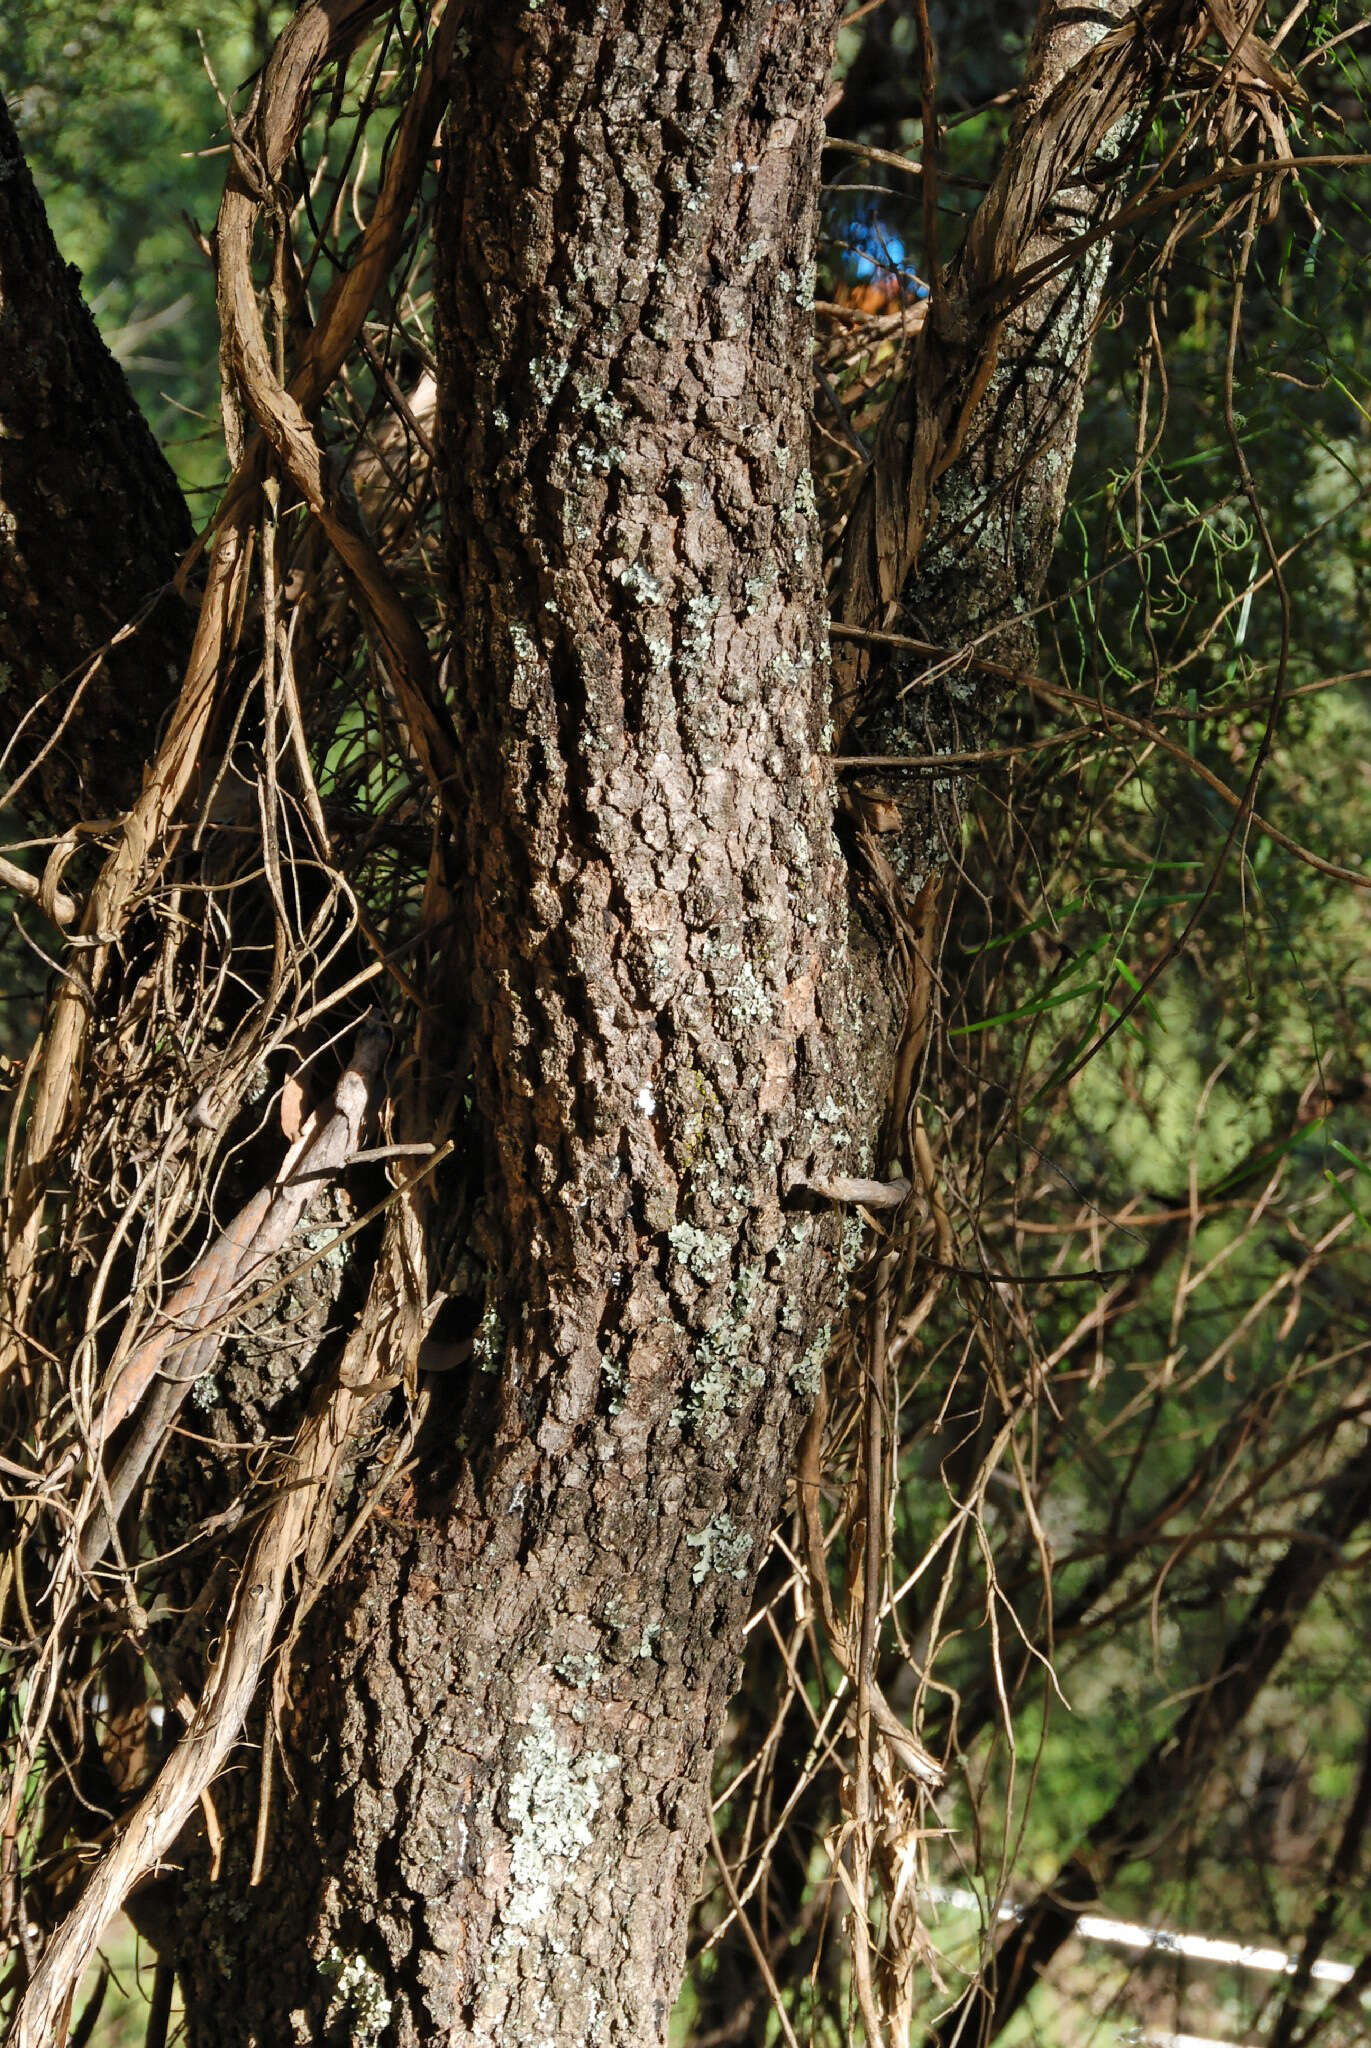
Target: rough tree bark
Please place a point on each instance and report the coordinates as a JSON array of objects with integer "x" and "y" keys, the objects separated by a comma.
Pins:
[
  {"x": 511, "y": 1706},
  {"x": 673, "y": 1022}
]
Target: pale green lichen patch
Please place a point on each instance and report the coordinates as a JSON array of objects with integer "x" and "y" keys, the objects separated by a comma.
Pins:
[
  {"x": 807, "y": 1371},
  {"x": 640, "y": 584},
  {"x": 726, "y": 1377},
  {"x": 487, "y": 1346},
  {"x": 330, "y": 1242},
  {"x": 703, "y": 1252},
  {"x": 524, "y": 649},
  {"x": 723, "y": 1548},
  {"x": 748, "y": 1001},
  {"x": 854, "y": 1235},
  {"x": 359, "y": 1996},
  {"x": 552, "y": 1798},
  {"x": 614, "y": 1379},
  {"x": 580, "y": 1668},
  {"x": 546, "y": 377}
]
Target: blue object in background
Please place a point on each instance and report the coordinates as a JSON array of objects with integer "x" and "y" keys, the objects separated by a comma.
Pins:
[{"x": 873, "y": 254}]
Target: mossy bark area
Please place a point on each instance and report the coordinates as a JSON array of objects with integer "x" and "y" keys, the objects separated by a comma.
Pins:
[
  {"x": 92, "y": 525},
  {"x": 506, "y": 1715}
]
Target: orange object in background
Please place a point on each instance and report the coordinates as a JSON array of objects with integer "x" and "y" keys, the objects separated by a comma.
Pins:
[{"x": 877, "y": 279}]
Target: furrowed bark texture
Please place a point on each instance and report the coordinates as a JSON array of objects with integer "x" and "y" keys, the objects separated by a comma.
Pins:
[
  {"x": 92, "y": 525},
  {"x": 507, "y": 1715}
]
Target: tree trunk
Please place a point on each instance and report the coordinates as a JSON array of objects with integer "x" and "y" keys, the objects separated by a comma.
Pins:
[
  {"x": 92, "y": 523},
  {"x": 506, "y": 1715}
]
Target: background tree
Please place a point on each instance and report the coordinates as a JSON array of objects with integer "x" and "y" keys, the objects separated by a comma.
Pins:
[{"x": 400, "y": 1409}]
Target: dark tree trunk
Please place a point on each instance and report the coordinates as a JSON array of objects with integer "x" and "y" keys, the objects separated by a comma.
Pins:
[{"x": 92, "y": 525}]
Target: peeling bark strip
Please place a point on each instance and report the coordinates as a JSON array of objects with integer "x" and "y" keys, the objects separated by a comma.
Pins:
[
  {"x": 91, "y": 523},
  {"x": 160, "y": 1369},
  {"x": 1088, "y": 78},
  {"x": 952, "y": 533},
  {"x": 319, "y": 28},
  {"x": 383, "y": 1343}
]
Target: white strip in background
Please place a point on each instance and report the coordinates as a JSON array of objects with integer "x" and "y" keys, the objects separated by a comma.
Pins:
[{"x": 1199, "y": 1948}]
